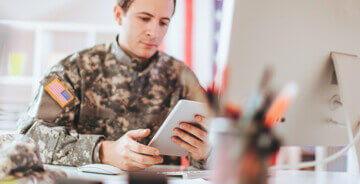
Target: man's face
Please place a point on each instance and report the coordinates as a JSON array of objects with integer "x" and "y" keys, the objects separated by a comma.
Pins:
[{"x": 144, "y": 26}]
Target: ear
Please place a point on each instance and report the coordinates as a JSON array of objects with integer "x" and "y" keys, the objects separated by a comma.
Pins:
[{"x": 118, "y": 12}]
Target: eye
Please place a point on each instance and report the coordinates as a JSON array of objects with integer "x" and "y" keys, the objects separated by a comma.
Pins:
[
  {"x": 145, "y": 19},
  {"x": 162, "y": 23}
]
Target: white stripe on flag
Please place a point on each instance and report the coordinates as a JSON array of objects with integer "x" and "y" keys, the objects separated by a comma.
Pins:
[{"x": 56, "y": 89}]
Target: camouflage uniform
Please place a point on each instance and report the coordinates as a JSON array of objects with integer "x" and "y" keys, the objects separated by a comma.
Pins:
[
  {"x": 112, "y": 95},
  {"x": 20, "y": 160}
]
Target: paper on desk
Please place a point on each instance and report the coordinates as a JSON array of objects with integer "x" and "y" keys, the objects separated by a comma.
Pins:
[{"x": 190, "y": 181}]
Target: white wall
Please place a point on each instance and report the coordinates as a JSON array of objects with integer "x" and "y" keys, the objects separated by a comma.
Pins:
[
  {"x": 100, "y": 12},
  {"x": 203, "y": 42},
  {"x": 80, "y": 11}
]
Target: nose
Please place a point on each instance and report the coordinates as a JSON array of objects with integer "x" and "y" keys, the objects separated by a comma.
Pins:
[{"x": 153, "y": 30}]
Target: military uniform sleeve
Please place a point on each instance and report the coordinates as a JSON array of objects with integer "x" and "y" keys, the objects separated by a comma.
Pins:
[
  {"x": 20, "y": 160},
  {"x": 19, "y": 157},
  {"x": 192, "y": 90},
  {"x": 51, "y": 119}
]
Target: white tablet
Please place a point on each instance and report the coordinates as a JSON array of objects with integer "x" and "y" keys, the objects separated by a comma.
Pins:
[{"x": 184, "y": 111}]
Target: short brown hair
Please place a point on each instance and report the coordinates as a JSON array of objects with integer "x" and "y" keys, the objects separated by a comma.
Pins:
[{"x": 125, "y": 4}]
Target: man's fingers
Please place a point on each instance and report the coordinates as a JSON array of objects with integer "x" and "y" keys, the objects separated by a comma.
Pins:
[
  {"x": 142, "y": 149},
  {"x": 145, "y": 159},
  {"x": 201, "y": 120},
  {"x": 188, "y": 138},
  {"x": 139, "y": 165},
  {"x": 139, "y": 133},
  {"x": 131, "y": 165},
  {"x": 197, "y": 132},
  {"x": 184, "y": 145}
]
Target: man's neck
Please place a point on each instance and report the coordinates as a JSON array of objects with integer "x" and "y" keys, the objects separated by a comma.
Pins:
[{"x": 130, "y": 54}]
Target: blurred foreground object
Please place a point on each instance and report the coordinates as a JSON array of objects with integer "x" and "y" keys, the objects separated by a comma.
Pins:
[
  {"x": 20, "y": 161},
  {"x": 244, "y": 142}
]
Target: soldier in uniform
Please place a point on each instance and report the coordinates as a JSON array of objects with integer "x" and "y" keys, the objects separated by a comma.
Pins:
[{"x": 104, "y": 104}]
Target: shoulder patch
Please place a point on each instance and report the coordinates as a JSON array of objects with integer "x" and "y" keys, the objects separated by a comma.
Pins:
[{"x": 59, "y": 92}]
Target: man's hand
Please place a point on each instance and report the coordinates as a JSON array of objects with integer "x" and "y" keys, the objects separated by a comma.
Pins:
[
  {"x": 127, "y": 154},
  {"x": 193, "y": 138}
]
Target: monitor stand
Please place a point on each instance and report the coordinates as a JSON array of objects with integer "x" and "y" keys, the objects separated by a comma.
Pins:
[{"x": 347, "y": 69}]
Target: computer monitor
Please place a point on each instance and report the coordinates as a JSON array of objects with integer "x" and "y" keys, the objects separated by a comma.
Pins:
[{"x": 295, "y": 38}]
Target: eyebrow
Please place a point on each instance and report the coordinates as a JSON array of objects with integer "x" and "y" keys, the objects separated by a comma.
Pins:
[{"x": 148, "y": 14}]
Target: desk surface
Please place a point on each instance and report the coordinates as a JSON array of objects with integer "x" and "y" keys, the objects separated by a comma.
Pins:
[
  {"x": 277, "y": 177},
  {"x": 74, "y": 173},
  {"x": 301, "y": 177}
]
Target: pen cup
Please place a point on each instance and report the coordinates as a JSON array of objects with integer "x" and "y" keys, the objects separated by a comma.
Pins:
[{"x": 227, "y": 143}]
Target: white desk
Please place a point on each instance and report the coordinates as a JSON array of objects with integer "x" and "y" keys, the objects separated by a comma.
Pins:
[
  {"x": 305, "y": 177},
  {"x": 73, "y": 173},
  {"x": 278, "y": 177}
]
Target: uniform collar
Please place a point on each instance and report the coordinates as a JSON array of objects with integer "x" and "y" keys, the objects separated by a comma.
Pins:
[{"x": 123, "y": 58}]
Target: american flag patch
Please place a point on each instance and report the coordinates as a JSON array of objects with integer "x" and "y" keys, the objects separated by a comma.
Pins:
[{"x": 59, "y": 93}]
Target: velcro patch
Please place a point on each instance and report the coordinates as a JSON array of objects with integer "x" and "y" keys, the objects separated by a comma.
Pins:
[{"x": 59, "y": 92}]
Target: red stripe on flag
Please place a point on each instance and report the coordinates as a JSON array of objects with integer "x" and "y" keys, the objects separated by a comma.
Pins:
[
  {"x": 185, "y": 162},
  {"x": 188, "y": 46},
  {"x": 56, "y": 90},
  {"x": 58, "y": 96},
  {"x": 188, "y": 32}
]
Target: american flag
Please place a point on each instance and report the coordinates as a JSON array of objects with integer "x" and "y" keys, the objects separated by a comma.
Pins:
[
  {"x": 59, "y": 93},
  {"x": 188, "y": 27}
]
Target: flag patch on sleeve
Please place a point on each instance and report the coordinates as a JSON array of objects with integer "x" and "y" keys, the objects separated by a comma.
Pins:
[{"x": 59, "y": 92}]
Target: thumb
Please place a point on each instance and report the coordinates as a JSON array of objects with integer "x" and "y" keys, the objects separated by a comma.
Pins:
[{"x": 139, "y": 133}]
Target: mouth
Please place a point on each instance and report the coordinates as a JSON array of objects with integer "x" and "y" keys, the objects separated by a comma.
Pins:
[{"x": 149, "y": 44}]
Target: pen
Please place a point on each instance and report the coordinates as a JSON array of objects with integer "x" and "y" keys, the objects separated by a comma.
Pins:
[{"x": 280, "y": 105}]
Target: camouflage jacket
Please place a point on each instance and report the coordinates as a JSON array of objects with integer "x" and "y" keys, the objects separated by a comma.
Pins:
[
  {"x": 20, "y": 161},
  {"x": 106, "y": 95}
]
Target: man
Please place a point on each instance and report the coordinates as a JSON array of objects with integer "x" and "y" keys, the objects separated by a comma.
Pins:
[{"x": 96, "y": 104}]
